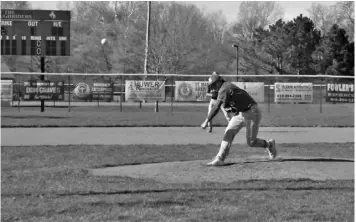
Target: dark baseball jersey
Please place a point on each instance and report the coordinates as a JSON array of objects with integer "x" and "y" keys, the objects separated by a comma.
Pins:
[
  {"x": 212, "y": 92},
  {"x": 233, "y": 99},
  {"x": 232, "y": 96}
]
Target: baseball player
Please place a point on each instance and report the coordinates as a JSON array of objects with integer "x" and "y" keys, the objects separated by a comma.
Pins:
[
  {"x": 214, "y": 95},
  {"x": 235, "y": 100}
]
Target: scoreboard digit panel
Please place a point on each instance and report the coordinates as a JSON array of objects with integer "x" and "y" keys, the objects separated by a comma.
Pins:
[{"x": 35, "y": 32}]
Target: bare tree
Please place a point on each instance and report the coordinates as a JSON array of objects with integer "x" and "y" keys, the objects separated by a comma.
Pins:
[
  {"x": 15, "y": 5},
  {"x": 253, "y": 15},
  {"x": 347, "y": 10},
  {"x": 346, "y": 14},
  {"x": 179, "y": 37},
  {"x": 65, "y": 5},
  {"x": 323, "y": 16},
  {"x": 342, "y": 13},
  {"x": 217, "y": 25}
]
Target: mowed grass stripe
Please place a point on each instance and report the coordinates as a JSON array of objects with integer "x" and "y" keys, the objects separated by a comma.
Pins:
[{"x": 333, "y": 115}]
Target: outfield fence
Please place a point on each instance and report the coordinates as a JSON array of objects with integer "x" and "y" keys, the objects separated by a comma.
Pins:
[{"x": 168, "y": 90}]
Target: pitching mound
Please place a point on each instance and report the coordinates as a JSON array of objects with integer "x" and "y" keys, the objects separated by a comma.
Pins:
[{"x": 253, "y": 168}]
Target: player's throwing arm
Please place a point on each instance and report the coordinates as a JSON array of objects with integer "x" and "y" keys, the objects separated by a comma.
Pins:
[{"x": 214, "y": 95}]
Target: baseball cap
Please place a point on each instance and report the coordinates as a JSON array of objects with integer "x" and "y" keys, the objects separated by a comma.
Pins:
[{"x": 214, "y": 77}]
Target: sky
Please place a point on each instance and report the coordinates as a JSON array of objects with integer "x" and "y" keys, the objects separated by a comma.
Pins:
[{"x": 229, "y": 8}]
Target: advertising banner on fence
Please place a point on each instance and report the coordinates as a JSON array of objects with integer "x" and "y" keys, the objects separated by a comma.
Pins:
[
  {"x": 191, "y": 91},
  {"x": 42, "y": 89},
  {"x": 91, "y": 91},
  {"x": 6, "y": 90},
  {"x": 293, "y": 92},
  {"x": 102, "y": 91},
  {"x": 144, "y": 90},
  {"x": 255, "y": 89},
  {"x": 340, "y": 93},
  {"x": 81, "y": 92}
]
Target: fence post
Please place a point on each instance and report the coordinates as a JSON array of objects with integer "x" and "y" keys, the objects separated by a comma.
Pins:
[
  {"x": 321, "y": 95},
  {"x": 156, "y": 107},
  {"x": 172, "y": 93},
  {"x": 121, "y": 94},
  {"x": 18, "y": 93},
  {"x": 98, "y": 95},
  {"x": 69, "y": 93},
  {"x": 269, "y": 95},
  {"x": 42, "y": 77}
]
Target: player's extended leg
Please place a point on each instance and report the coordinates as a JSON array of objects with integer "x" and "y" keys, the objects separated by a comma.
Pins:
[
  {"x": 235, "y": 125},
  {"x": 253, "y": 118}
]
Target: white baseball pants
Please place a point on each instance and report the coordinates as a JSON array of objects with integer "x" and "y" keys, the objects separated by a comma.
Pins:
[{"x": 251, "y": 119}]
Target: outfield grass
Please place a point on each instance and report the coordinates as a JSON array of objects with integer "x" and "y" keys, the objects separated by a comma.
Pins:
[
  {"x": 305, "y": 115},
  {"x": 52, "y": 183}
]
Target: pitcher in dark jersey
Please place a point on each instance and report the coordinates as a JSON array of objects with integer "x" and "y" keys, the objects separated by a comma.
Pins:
[{"x": 235, "y": 100}]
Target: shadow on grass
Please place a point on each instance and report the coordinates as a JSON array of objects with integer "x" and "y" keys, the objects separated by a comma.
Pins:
[
  {"x": 189, "y": 189},
  {"x": 315, "y": 160},
  {"x": 291, "y": 160}
]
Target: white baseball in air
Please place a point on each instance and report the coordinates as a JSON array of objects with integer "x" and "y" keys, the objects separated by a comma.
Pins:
[{"x": 103, "y": 41}]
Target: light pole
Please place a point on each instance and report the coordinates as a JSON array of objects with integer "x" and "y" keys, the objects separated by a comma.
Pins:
[
  {"x": 237, "y": 60},
  {"x": 108, "y": 65}
]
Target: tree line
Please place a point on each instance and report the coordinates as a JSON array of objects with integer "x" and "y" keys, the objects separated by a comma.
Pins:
[{"x": 185, "y": 39}]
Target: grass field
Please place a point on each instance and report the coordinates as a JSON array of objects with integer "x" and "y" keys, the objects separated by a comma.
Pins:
[
  {"x": 52, "y": 183},
  {"x": 333, "y": 115}
]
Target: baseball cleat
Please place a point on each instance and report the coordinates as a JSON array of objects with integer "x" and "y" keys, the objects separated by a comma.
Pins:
[
  {"x": 271, "y": 149},
  {"x": 210, "y": 129},
  {"x": 216, "y": 162}
]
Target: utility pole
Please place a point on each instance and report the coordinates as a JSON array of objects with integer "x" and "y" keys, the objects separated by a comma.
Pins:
[
  {"x": 147, "y": 34},
  {"x": 237, "y": 61}
]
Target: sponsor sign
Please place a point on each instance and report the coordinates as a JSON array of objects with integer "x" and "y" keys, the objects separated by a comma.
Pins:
[
  {"x": 191, "y": 91},
  {"x": 340, "y": 93},
  {"x": 144, "y": 90},
  {"x": 81, "y": 91},
  {"x": 43, "y": 89},
  {"x": 102, "y": 91},
  {"x": 89, "y": 91},
  {"x": 6, "y": 90},
  {"x": 255, "y": 89},
  {"x": 293, "y": 92}
]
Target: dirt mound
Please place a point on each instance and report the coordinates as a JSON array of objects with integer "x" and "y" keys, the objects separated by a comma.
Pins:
[{"x": 253, "y": 168}]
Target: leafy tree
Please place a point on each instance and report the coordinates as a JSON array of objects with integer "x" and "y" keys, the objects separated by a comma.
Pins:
[
  {"x": 337, "y": 53},
  {"x": 303, "y": 41},
  {"x": 274, "y": 43}
]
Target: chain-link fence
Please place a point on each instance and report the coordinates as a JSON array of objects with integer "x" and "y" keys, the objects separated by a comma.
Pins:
[{"x": 286, "y": 97}]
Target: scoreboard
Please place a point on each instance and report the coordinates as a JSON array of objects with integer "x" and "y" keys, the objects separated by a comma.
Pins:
[{"x": 35, "y": 32}]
